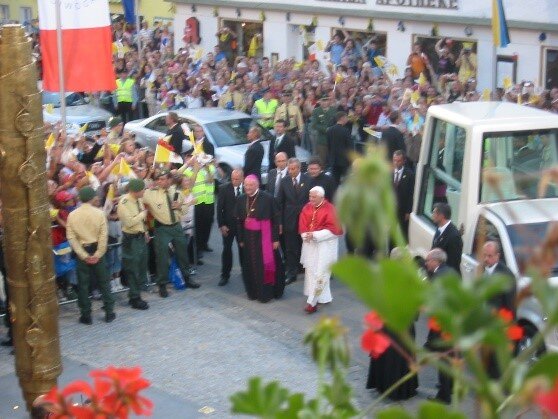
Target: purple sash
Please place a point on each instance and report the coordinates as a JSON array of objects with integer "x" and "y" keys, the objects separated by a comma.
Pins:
[{"x": 267, "y": 249}]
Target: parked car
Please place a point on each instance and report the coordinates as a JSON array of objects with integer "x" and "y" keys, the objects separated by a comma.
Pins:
[
  {"x": 224, "y": 128},
  {"x": 78, "y": 112},
  {"x": 485, "y": 160}
]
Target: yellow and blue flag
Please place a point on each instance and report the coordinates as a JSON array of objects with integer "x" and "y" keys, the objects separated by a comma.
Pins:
[{"x": 500, "y": 34}]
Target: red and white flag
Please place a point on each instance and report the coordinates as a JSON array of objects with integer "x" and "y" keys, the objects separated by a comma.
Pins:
[{"x": 86, "y": 45}]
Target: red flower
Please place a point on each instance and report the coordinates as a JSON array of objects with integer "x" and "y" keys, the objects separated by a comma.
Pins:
[
  {"x": 548, "y": 401},
  {"x": 505, "y": 314},
  {"x": 374, "y": 343},
  {"x": 514, "y": 332},
  {"x": 374, "y": 321},
  {"x": 434, "y": 325}
]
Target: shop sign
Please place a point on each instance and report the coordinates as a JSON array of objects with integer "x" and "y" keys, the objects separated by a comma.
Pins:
[
  {"x": 426, "y": 4},
  {"x": 346, "y": 1}
]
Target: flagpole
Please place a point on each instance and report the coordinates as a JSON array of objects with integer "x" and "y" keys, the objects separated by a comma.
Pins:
[
  {"x": 138, "y": 23},
  {"x": 60, "y": 67},
  {"x": 494, "y": 70}
]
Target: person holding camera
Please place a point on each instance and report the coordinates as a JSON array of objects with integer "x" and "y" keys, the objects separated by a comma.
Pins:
[{"x": 467, "y": 63}]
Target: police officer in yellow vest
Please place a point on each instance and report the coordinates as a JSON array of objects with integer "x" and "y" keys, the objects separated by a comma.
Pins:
[
  {"x": 264, "y": 109},
  {"x": 204, "y": 209},
  {"x": 125, "y": 96},
  {"x": 132, "y": 215},
  {"x": 166, "y": 210},
  {"x": 290, "y": 113}
]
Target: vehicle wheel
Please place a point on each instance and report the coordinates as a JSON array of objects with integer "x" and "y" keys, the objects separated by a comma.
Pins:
[{"x": 529, "y": 333}]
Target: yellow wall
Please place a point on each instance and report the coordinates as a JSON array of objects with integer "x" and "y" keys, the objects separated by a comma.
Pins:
[
  {"x": 151, "y": 10},
  {"x": 15, "y": 5}
]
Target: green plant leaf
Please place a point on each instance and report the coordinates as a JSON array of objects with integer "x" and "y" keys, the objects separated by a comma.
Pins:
[
  {"x": 295, "y": 405},
  {"x": 260, "y": 400},
  {"x": 433, "y": 410},
  {"x": 393, "y": 413},
  {"x": 547, "y": 365},
  {"x": 380, "y": 286}
]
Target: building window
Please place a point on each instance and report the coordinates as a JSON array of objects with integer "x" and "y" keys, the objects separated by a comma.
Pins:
[
  {"x": 25, "y": 14},
  {"x": 550, "y": 70},
  {"x": 4, "y": 13}
]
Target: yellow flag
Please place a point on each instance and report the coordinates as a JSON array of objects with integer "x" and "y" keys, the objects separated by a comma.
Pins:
[
  {"x": 53, "y": 213},
  {"x": 125, "y": 169},
  {"x": 164, "y": 155},
  {"x": 379, "y": 61},
  {"x": 233, "y": 75},
  {"x": 485, "y": 95},
  {"x": 416, "y": 118},
  {"x": 83, "y": 128},
  {"x": 109, "y": 205},
  {"x": 198, "y": 55},
  {"x": 320, "y": 45},
  {"x": 507, "y": 82},
  {"x": 338, "y": 78},
  {"x": 50, "y": 141},
  {"x": 49, "y": 108},
  {"x": 114, "y": 148},
  {"x": 392, "y": 70},
  {"x": 422, "y": 80},
  {"x": 415, "y": 96}
]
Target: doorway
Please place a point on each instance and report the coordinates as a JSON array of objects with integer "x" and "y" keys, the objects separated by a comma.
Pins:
[{"x": 245, "y": 32}]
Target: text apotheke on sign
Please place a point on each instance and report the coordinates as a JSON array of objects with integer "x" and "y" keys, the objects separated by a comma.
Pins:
[{"x": 431, "y": 4}]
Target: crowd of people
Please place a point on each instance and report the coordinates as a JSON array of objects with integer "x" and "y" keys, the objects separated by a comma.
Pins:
[{"x": 115, "y": 209}]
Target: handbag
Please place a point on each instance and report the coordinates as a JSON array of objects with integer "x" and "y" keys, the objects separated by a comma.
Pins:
[{"x": 175, "y": 275}]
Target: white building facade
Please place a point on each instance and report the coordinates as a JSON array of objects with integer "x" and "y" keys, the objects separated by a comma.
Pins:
[{"x": 288, "y": 26}]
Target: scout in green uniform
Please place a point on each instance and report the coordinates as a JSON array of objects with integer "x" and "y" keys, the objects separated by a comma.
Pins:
[
  {"x": 132, "y": 213},
  {"x": 323, "y": 117},
  {"x": 167, "y": 213},
  {"x": 87, "y": 233}
]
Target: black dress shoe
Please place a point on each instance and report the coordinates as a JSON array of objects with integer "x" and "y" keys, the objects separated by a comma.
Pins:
[
  {"x": 85, "y": 319},
  {"x": 290, "y": 280},
  {"x": 163, "y": 291},
  {"x": 224, "y": 281},
  {"x": 7, "y": 342},
  {"x": 139, "y": 304},
  {"x": 191, "y": 284},
  {"x": 110, "y": 317}
]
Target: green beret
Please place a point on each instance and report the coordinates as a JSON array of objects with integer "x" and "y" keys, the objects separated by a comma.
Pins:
[
  {"x": 86, "y": 194},
  {"x": 136, "y": 185}
]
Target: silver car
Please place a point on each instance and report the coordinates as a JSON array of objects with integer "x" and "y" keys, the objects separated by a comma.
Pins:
[
  {"x": 224, "y": 128},
  {"x": 78, "y": 113}
]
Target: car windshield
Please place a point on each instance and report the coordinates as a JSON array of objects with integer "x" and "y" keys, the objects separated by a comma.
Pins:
[
  {"x": 524, "y": 238},
  {"x": 72, "y": 99},
  {"x": 232, "y": 131},
  {"x": 514, "y": 163}
]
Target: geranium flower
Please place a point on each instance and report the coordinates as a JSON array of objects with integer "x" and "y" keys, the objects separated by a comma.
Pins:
[
  {"x": 374, "y": 321},
  {"x": 505, "y": 314},
  {"x": 548, "y": 401},
  {"x": 434, "y": 325},
  {"x": 374, "y": 343},
  {"x": 514, "y": 332}
]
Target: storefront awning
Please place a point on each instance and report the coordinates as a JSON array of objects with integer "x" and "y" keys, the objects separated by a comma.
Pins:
[{"x": 361, "y": 12}]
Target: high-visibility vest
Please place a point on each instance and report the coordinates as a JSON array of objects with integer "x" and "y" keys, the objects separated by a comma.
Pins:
[
  {"x": 267, "y": 111},
  {"x": 202, "y": 191},
  {"x": 124, "y": 90}
]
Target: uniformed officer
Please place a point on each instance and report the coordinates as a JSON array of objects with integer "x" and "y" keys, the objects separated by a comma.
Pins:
[
  {"x": 132, "y": 214},
  {"x": 232, "y": 99},
  {"x": 290, "y": 113},
  {"x": 87, "y": 232},
  {"x": 323, "y": 117},
  {"x": 166, "y": 210}
]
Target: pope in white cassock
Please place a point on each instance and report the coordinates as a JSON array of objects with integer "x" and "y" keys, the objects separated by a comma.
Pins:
[{"x": 320, "y": 231}]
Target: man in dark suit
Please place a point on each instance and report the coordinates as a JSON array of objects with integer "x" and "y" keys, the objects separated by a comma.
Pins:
[
  {"x": 275, "y": 176},
  {"x": 491, "y": 253},
  {"x": 226, "y": 204},
  {"x": 175, "y": 131},
  {"x": 339, "y": 145},
  {"x": 254, "y": 155},
  {"x": 403, "y": 186},
  {"x": 447, "y": 236},
  {"x": 281, "y": 143},
  {"x": 199, "y": 136},
  {"x": 319, "y": 178},
  {"x": 437, "y": 268},
  {"x": 392, "y": 138},
  {"x": 293, "y": 195}
]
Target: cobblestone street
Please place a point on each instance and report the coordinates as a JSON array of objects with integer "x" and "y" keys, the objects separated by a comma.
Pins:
[{"x": 200, "y": 346}]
